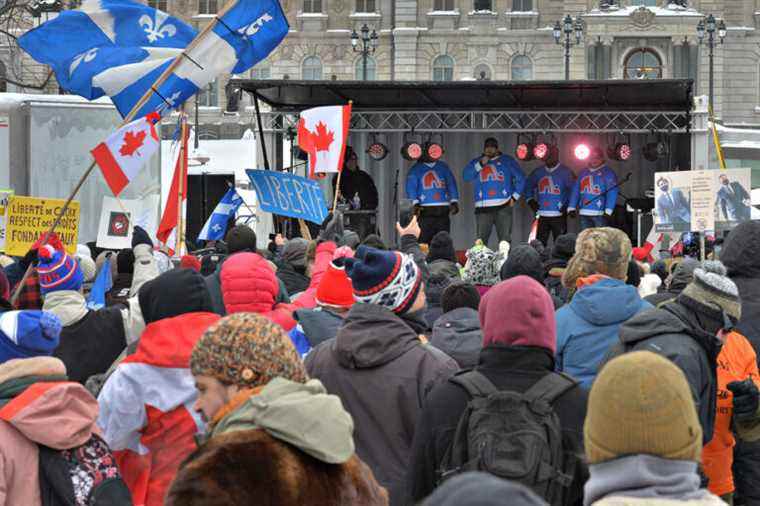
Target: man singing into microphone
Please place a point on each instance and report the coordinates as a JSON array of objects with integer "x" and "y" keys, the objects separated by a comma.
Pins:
[{"x": 595, "y": 193}]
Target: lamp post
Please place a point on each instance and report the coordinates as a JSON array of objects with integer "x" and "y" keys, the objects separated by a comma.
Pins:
[
  {"x": 368, "y": 46},
  {"x": 568, "y": 27},
  {"x": 710, "y": 25}
]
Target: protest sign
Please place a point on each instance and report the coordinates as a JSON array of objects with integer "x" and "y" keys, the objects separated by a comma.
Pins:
[
  {"x": 289, "y": 195},
  {"x": 702, "y": 200},
  {"x": 116, "y": 225},
  {"x": 672, "y": 210},
  {"x": 733, "y": 201},
  {"x": 28, "y": 218},
  {"x": 5, "y": 195}
]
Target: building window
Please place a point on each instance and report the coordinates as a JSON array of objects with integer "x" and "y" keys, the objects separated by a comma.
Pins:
[
  {"x": 443, "y": 5},
  {"x": 209, "y": 96},
  {"x": 207, "y": 6},
  {"x": 312, "y": 6},
  {"x": 443, "y": 68},
  {"x": 311, "y": 69},
  {"x": 371, "y": 69},
  {"x": 522, "y": 68},
  {"x": 482, "y": 72},
  {"x": 161, "y": 5},
  {"x": 365, "y": 5},
  {"x": 483, "y": 5},
  {"x": 643, "y": 64},
  {"x": 261, "y": 73},
  {"x": 647, "y": 3},
  {"x": 522, "y": 5}
]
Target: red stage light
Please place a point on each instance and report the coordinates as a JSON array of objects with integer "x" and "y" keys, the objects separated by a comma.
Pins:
[
  {"x": 434, "y": 151},
  {"x": 411, "y": 151},
  {"x": 540, "y": 151},
  {"x": 582, "y": 151},
  {"x": 377, "y": 151},
  {"x": 524, "y": 152},
  {"x": 623, "y": 152}
]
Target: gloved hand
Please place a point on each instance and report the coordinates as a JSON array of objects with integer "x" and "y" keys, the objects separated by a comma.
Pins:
[
  {"x": 533, "y": 205},
  {"x": 332, "y": 228},
  {"x": 140, "y": 236},
  {"x": 746, "y": 399},
  {"x": 454, "y": 208},
  {"x": 572, "y": 213}
]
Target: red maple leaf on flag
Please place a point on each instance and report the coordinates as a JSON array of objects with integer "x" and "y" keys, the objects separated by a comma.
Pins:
[
  {"x": 132, "y": 142},
  {"x": 323, "y": 138}
]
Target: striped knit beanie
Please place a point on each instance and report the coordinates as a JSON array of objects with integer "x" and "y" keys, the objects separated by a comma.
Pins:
[
  {"x": 58, "y": 271},
  {"x": 247, "y": 350},
  {"x": 713, "y": 290}
]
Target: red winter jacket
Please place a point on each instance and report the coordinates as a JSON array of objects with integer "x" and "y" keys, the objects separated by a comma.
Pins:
[{"x": 249, "y": 285}]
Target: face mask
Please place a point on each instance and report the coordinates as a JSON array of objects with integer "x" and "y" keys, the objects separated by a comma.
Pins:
[{"x": 664, "y": 188}]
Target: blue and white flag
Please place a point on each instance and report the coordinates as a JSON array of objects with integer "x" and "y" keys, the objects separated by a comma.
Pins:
[
  {"x": 120, "y": 48},
  {"x": 216, "y": 225},
  {"x": 102, "y": 285}
]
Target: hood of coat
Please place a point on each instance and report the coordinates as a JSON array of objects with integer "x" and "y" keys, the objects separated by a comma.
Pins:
[
  {"x": 683, "y": 275},
  {"x": 173, "y": 293},
  {"x": 741, "y": 252},
  {"x": 249, "y": 284},
  {"x": 68, "y": 305},
  {"x": 477, "y": 488},
  {"x": 301, "y": 414},
  {"x": 372, "y": 336},
  {"x": 37, "y": 400},
  {"x": 318, "y": 325},
  {"x": 606, "y": 302},
  {"x": 457, "y": 333}
]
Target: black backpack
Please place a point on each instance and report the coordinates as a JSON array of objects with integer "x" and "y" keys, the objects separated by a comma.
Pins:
[
  {"x": 83, "y": 476},
  {"x": 512, "y": 435}
]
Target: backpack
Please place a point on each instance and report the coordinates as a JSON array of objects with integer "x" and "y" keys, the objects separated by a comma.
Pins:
[
  {"x": 83, "y": 476},
  {"x": 512, "y": 435}
]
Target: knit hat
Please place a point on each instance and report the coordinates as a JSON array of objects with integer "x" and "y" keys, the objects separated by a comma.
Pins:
[
  {"x": 564, "y": 247},
  {"x": 601, "y": 250},
  {"x": 482, "y": 266},
  {"x": 335, "y": 288},
  {"x": 240, "y": 238},
  {"x": 25, "y": 334},
  {"x": 350, "y": 239},
  {"x": 442, "y": 248},
  {"x": 57, "y": 270},
  {"x": 386, "y": 278},
  {"x": 741, "y": 250},
  {"x": 190, "y": 262},
  {"x": 713, "y": 292},
  {"x": 523, "y": 260},
  {"x": 641, "y": 403},
  {"x": 518, "y": 312},
  {"x": 173, "y": 293},
  {"x": 248, "y": 350},
  {"x": 294, "y": 252}
]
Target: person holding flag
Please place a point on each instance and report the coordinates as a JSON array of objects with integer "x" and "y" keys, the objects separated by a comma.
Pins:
[{"x": 216, "y": 225}]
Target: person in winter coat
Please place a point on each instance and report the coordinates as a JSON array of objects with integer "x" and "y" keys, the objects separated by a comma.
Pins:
[
  {"x": 524, "y": 260},
  {"x": 40, "y": 407},
  {"x": 519, "y": 339},
  {"x": 442, "y": 257},
  {"x": 689, "y": 332},
  {"x": 291, "y": 268},
  {"x": 434, "y": 287},
  {"x": 92, "y": 339},
  {"x": 682, "y": 276},
  {"x": 122, "y": 283},
  {"x": 377, "y": 356},
  {"x": 146, "y": 413},
  {"x": 475, "y": 488},
  {"x": 562, "y": 251},
  {"x": 589, "y": 324},
  {"x": 642, "y": 436},
  {"x": 457, "y": 332},
  {"x": 257, "y": 398}
]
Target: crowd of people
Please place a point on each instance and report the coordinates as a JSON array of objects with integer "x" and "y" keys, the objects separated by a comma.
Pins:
[{"x": 334, "y": 372}]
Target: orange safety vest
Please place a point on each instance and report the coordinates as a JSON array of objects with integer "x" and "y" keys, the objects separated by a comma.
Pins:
[{"x": 736, "y": 362}]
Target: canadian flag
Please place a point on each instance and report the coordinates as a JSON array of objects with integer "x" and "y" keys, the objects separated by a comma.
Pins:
[
  {"x": 322, "y": 133},
  {"x": 125, "y": 152},
  {"x": 650, "y": 250}
]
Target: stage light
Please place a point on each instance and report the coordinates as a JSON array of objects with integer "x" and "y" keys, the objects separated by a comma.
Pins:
[
  {"x": 540, "y": 151},
  {"x": 377, "y": 151},
  {"x": 434, "y": 151},
  {"x": 524, "y": 152},
  {"x": 411, "y": 151},
  {"x": 582, "y": 151},
  {"x": 620, "y": 152}
]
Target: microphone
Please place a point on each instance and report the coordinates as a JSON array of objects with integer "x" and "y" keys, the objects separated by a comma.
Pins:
[{"x": 628, "y": 176}]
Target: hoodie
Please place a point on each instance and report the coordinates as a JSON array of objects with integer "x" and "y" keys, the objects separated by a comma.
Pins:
[{"x": 588, "y": 326}]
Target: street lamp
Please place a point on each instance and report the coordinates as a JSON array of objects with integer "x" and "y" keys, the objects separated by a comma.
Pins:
[
  {"x": 369, "y": 43},
  {"x": 710, "y": 25},
  {"x": 568, "y": 27}
]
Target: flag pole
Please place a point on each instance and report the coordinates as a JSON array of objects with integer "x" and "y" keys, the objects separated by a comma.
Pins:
[{"x": 181, "y": 182}]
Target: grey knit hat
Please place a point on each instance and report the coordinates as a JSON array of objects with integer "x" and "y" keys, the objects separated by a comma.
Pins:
[{"x": 711, "y": 287}]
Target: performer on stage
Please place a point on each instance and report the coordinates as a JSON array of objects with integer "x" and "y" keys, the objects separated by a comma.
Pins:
[
  {"x": 433, "y": 190},
  {"x": 548, "y": 190},
  {"x": 595, "y": 193},
  {"x": 358, "y": 189},
  {"x": 499, "y": 182}
]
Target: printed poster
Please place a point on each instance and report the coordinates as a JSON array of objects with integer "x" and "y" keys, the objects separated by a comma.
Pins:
[
  {"x": 118, "y": 221},
  {"x": 28, "y": 218}
]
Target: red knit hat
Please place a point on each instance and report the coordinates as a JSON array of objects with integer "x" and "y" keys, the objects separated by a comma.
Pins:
[
  {"x": 335, "y": 288},
  {"x": 190, "y": 262},
  {"x": 518, "y": 312}
]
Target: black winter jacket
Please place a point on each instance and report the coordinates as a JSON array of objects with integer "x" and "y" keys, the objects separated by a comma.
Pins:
[
  {"x": 515, "y": 368},
  {"x": 294, "y": 281}
]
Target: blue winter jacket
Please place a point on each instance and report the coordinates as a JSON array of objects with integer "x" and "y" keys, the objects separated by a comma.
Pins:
[
  {"x": 588, "y": 326},
  {"x": 497, "y": 182},
  {"x": 550, "y": 188},
  {"x": 431, "y": 184},
  {"x": 588, "y": 195}
]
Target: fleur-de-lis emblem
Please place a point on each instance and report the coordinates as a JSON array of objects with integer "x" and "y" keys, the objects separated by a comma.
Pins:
[
  {"x": 85, "y": 57},
  {"x": 157, "y": 27},
  {"x": 171, "y": 102}
]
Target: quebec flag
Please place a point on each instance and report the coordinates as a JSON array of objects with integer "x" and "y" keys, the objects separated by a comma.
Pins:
[
  {"x": 119, "y": 48},
  {"x": 216, "y": 225}
]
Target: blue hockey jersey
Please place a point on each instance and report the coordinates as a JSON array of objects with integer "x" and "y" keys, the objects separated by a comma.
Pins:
[
  {"x": 551, "y": 188},
  {"x": 496, "y": 182},
  {"x": 588, "y": 195},
  {"x": 431, "y": 184}
]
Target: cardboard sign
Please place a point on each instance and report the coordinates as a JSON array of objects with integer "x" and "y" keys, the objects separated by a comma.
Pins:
[
  {"x": 672, "y": 199},
  {"x": 702, "y": 200},
  {"x": 27, "y": 218},
  {"x": 5, "y": 195},
  {"x": 289, "y": 195},
  {"x": 118, "y": 221},
  {"x": 733, "y": 197}
]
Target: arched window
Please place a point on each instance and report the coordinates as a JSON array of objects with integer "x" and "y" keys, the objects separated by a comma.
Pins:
[
  {"x": 643, "y": 63},
  {"x": 482, "y": 72},
  {"x": 371, "y": 69},
  {"x": 3, "y": 75},
  {"x": 443, "y": 68},
  {"x": 522, "y": 68},
  {"x": 311, "y": 69}
]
